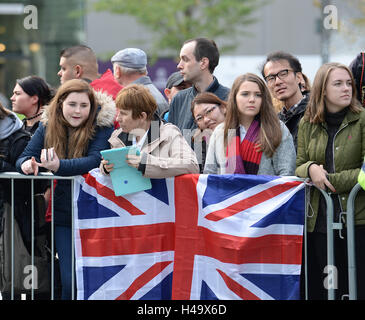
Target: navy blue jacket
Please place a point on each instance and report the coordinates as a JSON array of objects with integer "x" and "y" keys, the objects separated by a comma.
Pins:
[{"x": 68, "y": 167}]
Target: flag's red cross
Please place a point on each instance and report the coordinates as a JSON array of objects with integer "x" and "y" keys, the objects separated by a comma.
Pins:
[
  {"x": 192, "y": 240},
  {"x": 109, "y": 194}
]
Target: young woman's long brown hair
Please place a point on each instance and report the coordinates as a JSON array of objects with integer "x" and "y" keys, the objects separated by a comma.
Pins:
[
  {"x": 316, "y": 105},
  {"x": 270, "y": 131},
  {"x": 69, "y": 142}
]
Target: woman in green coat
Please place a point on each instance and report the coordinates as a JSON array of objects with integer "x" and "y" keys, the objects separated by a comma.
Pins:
[{"x": 331, "y": 149}]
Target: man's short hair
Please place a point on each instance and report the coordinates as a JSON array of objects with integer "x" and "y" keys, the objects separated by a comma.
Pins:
[
  {"x": 206, "y": 48},
  {"x": 281, "y": 55},
  {"x": 82, "y": 55},
  {"x": 77, "y": 50}
]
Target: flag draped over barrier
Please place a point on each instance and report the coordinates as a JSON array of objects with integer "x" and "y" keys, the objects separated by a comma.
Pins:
[{"x": 190, "y": 237}]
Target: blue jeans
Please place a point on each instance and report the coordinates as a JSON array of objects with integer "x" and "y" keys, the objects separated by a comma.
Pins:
[{"x": 64, "y": 249}]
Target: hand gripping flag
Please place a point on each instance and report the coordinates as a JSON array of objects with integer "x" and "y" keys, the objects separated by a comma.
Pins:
[
  {"x": 361, "y": 177},
  {"x": 190, "y": 237}
]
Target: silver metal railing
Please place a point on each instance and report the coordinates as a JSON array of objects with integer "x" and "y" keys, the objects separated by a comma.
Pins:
[
  {"x": 12, "y": 176},
  {"x": 331, "y": 226},
  {"x": 330, "y": 249},
  {"x": 351, "y": 241},
  {"x": 350, "y": 228}
]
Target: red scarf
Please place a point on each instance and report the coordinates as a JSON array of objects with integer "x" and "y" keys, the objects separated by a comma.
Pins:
[{"x": 244, "y": 157}]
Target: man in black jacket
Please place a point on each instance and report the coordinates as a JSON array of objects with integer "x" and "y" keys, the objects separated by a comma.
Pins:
[
  {"x": 198, "y": 59},
  {"x": 283, "y": 75},
  {"x": 357, "y": 66}
]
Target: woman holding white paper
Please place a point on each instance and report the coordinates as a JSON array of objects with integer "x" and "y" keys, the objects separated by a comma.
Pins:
[{"x": 164, "y": 151}]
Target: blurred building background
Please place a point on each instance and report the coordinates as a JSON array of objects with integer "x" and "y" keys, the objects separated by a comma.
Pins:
[
  {"x": 35, "y": 51},
  {"x": 290, "y": 25}
]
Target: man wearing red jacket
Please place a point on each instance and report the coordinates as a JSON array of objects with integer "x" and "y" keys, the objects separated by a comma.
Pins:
[{"x": 79, "y": 62}]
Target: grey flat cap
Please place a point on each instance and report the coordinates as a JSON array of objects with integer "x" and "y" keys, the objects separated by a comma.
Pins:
[
  {"x": 131, "y": 58},
  {"x": 174, "y": 80}
]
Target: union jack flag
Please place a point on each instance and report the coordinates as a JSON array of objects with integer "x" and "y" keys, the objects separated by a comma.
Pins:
[{"x": 190, "y": 237}]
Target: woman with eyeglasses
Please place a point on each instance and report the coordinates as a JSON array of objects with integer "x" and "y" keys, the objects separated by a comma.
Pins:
[
  {"x": 208, "y": 111},
  {"x": 251, "y": 140},
  {"x": 331, "y": 149}
]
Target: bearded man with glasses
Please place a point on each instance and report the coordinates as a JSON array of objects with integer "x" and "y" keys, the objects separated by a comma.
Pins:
[{"x": 283, "y": 75}]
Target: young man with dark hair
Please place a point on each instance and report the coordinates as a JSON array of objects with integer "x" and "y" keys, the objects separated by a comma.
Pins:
[
  {"x": 283, "y": 75},
  {"x": 198, "y": 59},
  {"x": 78, "y": 62}
]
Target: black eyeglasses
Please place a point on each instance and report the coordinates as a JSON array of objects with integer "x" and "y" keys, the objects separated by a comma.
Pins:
[
  {"x": 200, "y": 118},
  {"x": 282, "y": 74}
]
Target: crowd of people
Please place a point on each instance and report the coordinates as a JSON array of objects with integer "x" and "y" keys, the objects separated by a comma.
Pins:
[{"x": 275, "y": 123}]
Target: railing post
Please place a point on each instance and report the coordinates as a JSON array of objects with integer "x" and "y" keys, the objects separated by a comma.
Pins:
[
  {"x": 330, "y": 248},
  {"x": 32, "y": 237},
  {"x": 52, "y": 239},
  {"x": 72, "y": 243},
  {"x": 350, "y": 220},
  {"x": 12, "y": 240},
  {"x": 305, "y": 258}
]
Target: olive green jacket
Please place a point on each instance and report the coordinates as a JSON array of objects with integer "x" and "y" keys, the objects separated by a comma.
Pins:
[{"x": 349, "y": 151}]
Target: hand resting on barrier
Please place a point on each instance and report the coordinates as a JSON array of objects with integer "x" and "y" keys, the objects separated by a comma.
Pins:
[
  {"x": 318, "y": 176},
  {"x": 49, "y": 160}
]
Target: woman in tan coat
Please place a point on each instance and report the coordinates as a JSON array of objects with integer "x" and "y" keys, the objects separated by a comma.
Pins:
[{"x": 164, "y": 151}]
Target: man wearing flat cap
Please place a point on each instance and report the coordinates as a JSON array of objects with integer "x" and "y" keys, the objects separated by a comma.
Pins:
[{"x": 130, "y": 66}]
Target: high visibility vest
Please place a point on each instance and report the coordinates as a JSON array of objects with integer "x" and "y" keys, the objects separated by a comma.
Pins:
[{"x": 361, "y": 177}]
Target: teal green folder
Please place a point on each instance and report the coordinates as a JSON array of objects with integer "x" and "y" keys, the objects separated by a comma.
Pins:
[{"x": 125, "y": 179}]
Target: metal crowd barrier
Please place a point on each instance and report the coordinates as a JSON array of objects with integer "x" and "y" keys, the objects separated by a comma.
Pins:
[
  {"x": 350, "y": 227},
  {"x": 351, "y": 241},
  {"x": 331, "y": 226},
  {"x": 12, "y": 176}
]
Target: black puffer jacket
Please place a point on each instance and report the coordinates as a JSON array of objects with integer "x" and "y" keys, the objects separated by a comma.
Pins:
[
  {"x": 11, "y": 148},
  {"x": 13, "y": 140}
]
